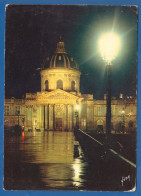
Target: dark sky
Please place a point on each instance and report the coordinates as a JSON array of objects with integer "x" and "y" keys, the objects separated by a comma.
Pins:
[{"x": 33, "y": 30}]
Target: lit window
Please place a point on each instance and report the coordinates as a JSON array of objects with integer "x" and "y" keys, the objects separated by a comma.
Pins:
[
  {"x": 6, "y": 110},
  {"x": 59, "y": 58},
  {"x": 99, "y": 111},
  {"x": 83, "y": 122}
]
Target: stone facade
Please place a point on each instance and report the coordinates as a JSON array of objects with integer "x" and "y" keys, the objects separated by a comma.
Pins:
[
  {"x": 50, "y": 77},
  {"x": 55, "y": 107}
]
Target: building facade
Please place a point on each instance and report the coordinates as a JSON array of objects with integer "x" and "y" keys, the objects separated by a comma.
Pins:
[{"x": 61, "y": 106}]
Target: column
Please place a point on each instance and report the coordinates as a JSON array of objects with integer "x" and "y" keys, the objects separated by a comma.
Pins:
[
  {"x": 66, "y": 117},
  {"x": 54, "y": 117},
  {"x": 38, "y": 117},
  {"x": 42, "y": 116},
  {"x": 47, "y": 116},
  {"x": 69, "y": 117},
  {"x": 72, "y": 117},
  {"x": 51, "y": 116},
  {"x": 63, "y": 118}
]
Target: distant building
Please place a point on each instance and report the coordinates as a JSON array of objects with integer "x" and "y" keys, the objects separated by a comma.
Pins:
[{"x": 56, "y": 106}]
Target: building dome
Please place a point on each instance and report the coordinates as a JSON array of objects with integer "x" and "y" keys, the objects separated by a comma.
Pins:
[
  {"x": 60, "y": 71},
  {"x": 60, "y": 59}
]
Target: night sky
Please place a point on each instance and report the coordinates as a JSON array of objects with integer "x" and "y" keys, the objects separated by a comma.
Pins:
[{"x": 33, "y": 30}]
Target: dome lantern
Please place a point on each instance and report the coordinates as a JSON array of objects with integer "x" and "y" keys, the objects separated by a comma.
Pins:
[{"x": 60, "y": 46}]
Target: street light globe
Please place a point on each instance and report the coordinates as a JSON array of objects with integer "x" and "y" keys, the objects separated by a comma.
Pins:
[
  {"x": 123, "y": 112},
  {"x": 77, "y": 107},
  {"x": 109, "y": 45}
]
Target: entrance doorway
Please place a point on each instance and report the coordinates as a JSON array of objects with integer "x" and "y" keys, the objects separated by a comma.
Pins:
[{"x": 58, "y": 124}]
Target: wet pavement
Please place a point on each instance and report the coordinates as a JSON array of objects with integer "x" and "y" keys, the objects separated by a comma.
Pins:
[{"x": 55, "y": 161}]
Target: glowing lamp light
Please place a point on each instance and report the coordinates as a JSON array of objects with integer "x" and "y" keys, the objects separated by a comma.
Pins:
[
  {"x": 109, "y": 45},
  {"x": 77, "y": 107},
  {"x": 23, "y": 134},
  {"x": 123, "y": 112}
]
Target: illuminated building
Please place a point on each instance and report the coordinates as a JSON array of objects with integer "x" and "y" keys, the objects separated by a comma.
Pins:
[{"x": 54, "y": 108}]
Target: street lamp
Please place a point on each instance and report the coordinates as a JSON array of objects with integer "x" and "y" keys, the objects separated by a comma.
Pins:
[
  {"x": 123, "y": 121},
  {"x": 23, "y": 119},
  {"x": 77, "y": 108},
  {"x": 18, "y": 113},
  {"x": 109, "y": 45}
]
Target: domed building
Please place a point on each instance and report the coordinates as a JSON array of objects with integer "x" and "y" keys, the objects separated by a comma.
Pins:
[
  {"x": 60, "y": 71},
  {"x": 55, "y": 106},
  {"x": 61, "y": 106}
]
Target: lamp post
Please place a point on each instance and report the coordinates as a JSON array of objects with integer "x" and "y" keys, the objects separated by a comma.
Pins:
[
  {"x": 23, "y": 119},
  {"x": 18, "y": 113},
  {"x": 123, "y": 121},
  {"x": 109, "y": 45},
  {"x": 77, "y": 107}
]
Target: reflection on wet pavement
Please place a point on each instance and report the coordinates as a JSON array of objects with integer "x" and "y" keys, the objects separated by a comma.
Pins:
[
  {"x": 52, "y": 151},
  {"x": 49, "y": 147},
  {"x": 54, "y": 161}
]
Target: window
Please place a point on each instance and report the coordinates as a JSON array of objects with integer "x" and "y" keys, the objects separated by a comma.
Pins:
[
  {"x": 59, "y": 84},
  {"x": 83, "y": 122},
  {"x": 6, "y": 110},
  {"x": 59, "y": 58},
  {"x": 46, "y": 85},
  {"x": 99, "y": 111},
  {"x": 73, "y": 85},
  {"x": 17, "y": 110}
]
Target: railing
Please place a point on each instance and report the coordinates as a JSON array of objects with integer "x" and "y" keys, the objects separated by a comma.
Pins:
[{"x": 95, "y": 149}]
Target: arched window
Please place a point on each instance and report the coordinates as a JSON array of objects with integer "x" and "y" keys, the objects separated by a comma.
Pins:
[
  {"x": 73, "y": 85},
  {"x": 46, "y": 85},
  {"x": 59, "y": 84}
]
